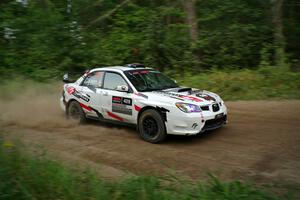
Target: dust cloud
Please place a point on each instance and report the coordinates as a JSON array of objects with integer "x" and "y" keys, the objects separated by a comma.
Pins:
[
  {"x": 36, "y": 106},
  {"x": 32, "y": 105}
]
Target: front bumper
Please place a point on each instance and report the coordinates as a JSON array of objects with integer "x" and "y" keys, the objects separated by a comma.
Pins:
[
  {"x": 214, "y": 124},
  {"x": 179, "y": 123}
]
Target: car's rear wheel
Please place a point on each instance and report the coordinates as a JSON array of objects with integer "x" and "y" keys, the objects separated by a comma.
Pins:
[
  {"x": 151, "y": 126},
  {"x": 76, "y": 113}
]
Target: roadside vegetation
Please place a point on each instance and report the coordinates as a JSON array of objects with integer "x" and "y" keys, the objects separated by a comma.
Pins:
[
  {"x": 26, "y": 176},
  {"x": 244, "y": 84},
  {"x": 242, "y": 50},
  {"x": 41, "y": 39},
  {"x": 239, "y": 49}
]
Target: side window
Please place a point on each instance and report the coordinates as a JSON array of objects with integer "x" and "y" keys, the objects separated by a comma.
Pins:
[
  {"x": 112, "y": 80},
  {"x": 94, "y": 79}
]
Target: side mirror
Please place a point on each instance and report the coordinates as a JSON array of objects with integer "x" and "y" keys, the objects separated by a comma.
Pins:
[
  {"x": 122, "y": 88},
  {"x": 66, "y": 78}
]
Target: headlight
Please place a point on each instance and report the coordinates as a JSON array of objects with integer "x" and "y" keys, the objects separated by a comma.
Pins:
[{"x": 188, "y": 108}]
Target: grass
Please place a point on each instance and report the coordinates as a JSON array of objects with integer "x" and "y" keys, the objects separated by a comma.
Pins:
[
  {"x": 262, "y": 84},
  {"x": 245, "y": 84},
  {"x": 24, "y": 176}
]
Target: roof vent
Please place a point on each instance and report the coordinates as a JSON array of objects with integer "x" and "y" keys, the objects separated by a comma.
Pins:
[{"x": 135, "y": 65}]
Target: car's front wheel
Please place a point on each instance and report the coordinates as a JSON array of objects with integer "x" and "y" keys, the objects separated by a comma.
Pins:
[
  {"x": 76, "y": 113},
  {"x": 151, "y": 126}
]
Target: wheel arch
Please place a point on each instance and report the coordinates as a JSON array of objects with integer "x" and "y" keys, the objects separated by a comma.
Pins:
[
  {"x": 163, "y": 111},
  {"x": 68, "y": 103}
]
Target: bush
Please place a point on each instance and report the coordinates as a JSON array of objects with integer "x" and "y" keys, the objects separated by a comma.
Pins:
[
  {"x": 245, "y": 84},
  {"x": 24, "y": 176}
]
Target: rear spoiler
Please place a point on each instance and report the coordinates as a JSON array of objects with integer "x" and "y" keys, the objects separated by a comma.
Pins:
[{"x": 74, "y": 76}]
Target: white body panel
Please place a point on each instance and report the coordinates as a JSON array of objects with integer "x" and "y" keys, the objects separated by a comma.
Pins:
[{"x": 125, "y": 106}]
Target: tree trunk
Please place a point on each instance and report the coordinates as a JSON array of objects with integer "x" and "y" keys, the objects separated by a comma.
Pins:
[
  {"x": 191, "y": 20},
  {"x": 278, "y": 32},
  {"x": 109, "y": 13},
  {"x": 189, "y": 7}
]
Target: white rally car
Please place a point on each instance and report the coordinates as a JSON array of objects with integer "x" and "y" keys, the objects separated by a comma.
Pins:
[{"x": 144, "y": 97}]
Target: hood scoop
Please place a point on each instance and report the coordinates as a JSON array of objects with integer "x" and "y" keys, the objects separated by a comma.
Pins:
[
  {"x": 185, "y": 90},
  {"x": 179, "y": 90},
  {"x": 188, "y": 93}
]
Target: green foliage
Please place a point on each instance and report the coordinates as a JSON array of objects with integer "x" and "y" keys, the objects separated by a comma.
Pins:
[
  {"x": 24, "y": 176},
  {"x": 232, "y": 33},
  {"x": 235, "y": 36},
  {"x": 49, "y": 37},
  {"x": 245, "y": 84}
]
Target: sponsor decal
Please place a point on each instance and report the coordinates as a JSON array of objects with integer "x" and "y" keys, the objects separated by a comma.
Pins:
[
  {"x": 122, "y": 105},
  {"x": 191, "y": 98},
  {"x": 120, "y": 108},
  {"x": 180, "y": 96},
  {"x": 198, "y": 94},
  {"x": 90, "y": 109},
  {"x": 169, "y": 94},
  {"x": 112, "y": 115},
  {"x": 116, "y": 99},
  {"x": 84, "y": 97},
  {"x": 72, "y": 91},
  {"x": 194, "y": 125},
  {"x": 122, "y": 100},
  {"x": 85, "y": 107},
  {"x": 137, "y": 108},
  {"x": 127, "y": 101},
  {"x": 206, "y": 97}
]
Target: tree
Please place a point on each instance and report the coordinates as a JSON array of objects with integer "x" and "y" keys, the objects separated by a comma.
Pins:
[
  {"x": 190, "y": 10},
  {"x": 278, "y": 32},
  {"x": 192, "y": 22}
]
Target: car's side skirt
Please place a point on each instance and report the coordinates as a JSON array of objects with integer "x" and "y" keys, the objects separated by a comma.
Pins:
[{"x": 102, "y": 119}]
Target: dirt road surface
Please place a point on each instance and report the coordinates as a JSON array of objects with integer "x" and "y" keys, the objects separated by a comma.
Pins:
[{"x": 260, "y": 142}]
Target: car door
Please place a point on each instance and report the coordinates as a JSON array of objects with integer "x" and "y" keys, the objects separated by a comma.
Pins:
[
  {"x": 91, "y": 93},
  {"x": 117, "y": 105}
]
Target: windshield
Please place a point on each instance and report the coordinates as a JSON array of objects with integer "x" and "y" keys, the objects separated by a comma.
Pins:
[{"x": 149, "y": 80}]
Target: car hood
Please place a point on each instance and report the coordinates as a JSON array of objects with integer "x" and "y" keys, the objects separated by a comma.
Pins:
[{"x": 186, "y": 95}]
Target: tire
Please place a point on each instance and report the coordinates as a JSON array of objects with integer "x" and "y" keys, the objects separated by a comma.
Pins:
[
  {"x": 151, "y": 126},
  {"x": 76, "y": 113}
]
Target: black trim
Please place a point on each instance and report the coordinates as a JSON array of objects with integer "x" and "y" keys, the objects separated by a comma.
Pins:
[
  {"x": 185, "y": 89},
  {"x": 214, "y": 123},
  {"x": 102, "y": 119},
  {"x": 163, "y": 112},
  {"x": 97, "y": 112},
  {"x": 135, "y": 65},
  {"x": 64, "y": 98}
]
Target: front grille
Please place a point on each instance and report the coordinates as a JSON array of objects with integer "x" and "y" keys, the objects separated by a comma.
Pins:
[
  {"x": 214, "y": 123},
  {"x": 215, "y": 107}
]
